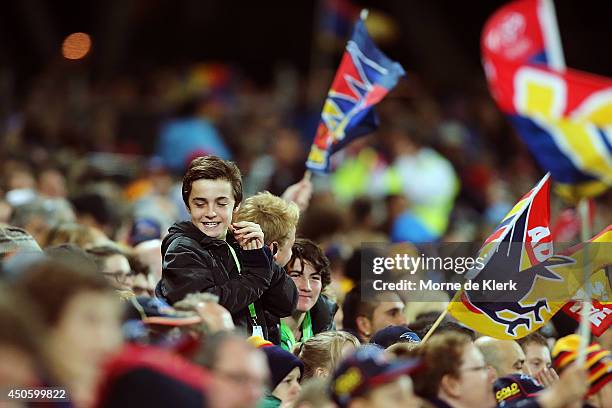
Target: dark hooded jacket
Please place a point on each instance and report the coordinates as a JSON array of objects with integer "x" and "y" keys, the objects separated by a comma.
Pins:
[
  {"x": 194, "y": 262},
  {"x": 322, "y": 315}
]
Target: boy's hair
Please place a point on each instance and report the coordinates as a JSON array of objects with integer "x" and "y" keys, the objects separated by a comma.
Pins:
[
  {"x": 212, "y": 168},
  {"x": 533, "y": 338},
  {"x": 308, "y": 252},
  {"x": 275, "y": 216}
]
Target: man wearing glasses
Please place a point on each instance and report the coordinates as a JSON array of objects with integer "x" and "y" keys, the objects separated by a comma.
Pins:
[
  {"x": 114, "y": 266},
  {"x": 239, "y": 371}
]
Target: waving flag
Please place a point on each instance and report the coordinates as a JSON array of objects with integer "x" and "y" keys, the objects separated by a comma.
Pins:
[
  {"x": 525, "y": 227},
  {"x": 363, "y": 79},
  {"x": 600, "y": 315},
  {"x": 563, "y": 117},
  {"x": 600, "y": 288},
  {"x": 515, "y": 251},
  {"x": 520, "y": 251}
]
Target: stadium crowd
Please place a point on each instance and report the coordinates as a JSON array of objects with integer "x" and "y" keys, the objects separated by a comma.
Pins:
[{"x": 162, "y": 246}]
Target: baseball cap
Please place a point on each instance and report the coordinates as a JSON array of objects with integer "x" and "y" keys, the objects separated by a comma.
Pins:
[
  {"x": 394, "y": 334},
  {"x": 365, "y": 370},
  {"x": 513, "y": 388},
  {"x": 144, "y": 229},
  {"x": 14, "y": 239}
]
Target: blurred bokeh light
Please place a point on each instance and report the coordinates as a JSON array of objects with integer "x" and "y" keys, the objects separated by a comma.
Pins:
[{"x": 76, "y": 46}]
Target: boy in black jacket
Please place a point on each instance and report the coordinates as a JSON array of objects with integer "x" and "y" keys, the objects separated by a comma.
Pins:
[{"x": 201, "y": 256}]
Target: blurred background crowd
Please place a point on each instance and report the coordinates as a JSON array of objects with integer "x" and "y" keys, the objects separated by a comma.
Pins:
[{"x": 97, "y": 131}]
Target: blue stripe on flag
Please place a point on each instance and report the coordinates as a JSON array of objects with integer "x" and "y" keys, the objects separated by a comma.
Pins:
[{"x": 549, "y": 156}]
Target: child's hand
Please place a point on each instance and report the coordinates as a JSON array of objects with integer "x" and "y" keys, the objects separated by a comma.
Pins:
[
  {"x": 299, "y": 193},
  {"x": 248, "y": 234}
]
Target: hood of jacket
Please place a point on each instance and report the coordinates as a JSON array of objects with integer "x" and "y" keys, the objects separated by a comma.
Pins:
[{"x": 322, "y": 314}]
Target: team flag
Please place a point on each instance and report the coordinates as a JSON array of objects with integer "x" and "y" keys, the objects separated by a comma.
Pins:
[
  {"x": 517, "y": 246},
  {"x": 520, "y": 251},
  {"x": 363, "y": 79},
  {"x": 563, "y": 117},
  {"x": 600, "y": 290},
  {"x": 600, "y": 315}
]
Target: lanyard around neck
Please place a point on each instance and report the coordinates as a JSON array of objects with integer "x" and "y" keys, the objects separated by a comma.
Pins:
[
  {"x": 251, "y": 306},
  {"x": 287, "y": 337}
]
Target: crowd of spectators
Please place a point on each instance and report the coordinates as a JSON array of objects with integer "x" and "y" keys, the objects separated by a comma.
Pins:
[{"x": 114, "y": 286}]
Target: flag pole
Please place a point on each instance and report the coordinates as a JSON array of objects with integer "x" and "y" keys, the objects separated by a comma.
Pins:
[
  {"x": 440, "y": 318},
  {"x": 556, "y": 60},
  {"x": 552, "y": 38},
  {"x": 435, "y": 325},
  {"x": 585, "y": 324}
]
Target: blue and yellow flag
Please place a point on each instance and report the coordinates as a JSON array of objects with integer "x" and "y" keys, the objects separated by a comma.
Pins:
[
  {"x": 363, "y": 79},
  {"x": 564, "y": 118}
]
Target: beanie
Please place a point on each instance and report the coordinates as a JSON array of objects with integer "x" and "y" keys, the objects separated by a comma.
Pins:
[
  {"x": 280, "y": 361},
  {"x": 598, "y": 360}
]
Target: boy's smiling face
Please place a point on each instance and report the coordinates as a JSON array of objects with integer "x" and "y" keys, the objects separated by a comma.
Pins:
[{"x": 211, "y": 205}]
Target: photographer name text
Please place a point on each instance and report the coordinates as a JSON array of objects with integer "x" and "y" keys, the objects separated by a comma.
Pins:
[{"x": 406, "y": 285}]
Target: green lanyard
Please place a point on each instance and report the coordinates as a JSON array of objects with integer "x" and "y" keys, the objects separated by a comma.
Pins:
[
  {"x": 251, "y": 306},
  {"x": 287, "y": 337}
]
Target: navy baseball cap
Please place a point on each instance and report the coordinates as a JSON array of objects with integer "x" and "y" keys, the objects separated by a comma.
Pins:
[
  {"x": 513, "y": 388},
  {"x": 144, "y": 229},
  {"x": 394, "y": 334},
  {"x": 365, "y": 370}
]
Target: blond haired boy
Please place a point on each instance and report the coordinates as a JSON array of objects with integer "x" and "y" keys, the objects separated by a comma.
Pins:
[{"x": 278, "y": 220}]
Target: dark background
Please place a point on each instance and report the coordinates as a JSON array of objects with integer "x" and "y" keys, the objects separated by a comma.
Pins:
[{"x": 437, "y": 39}]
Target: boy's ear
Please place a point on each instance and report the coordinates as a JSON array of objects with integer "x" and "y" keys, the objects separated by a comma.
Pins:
[{"x": 273, "y": 248}]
